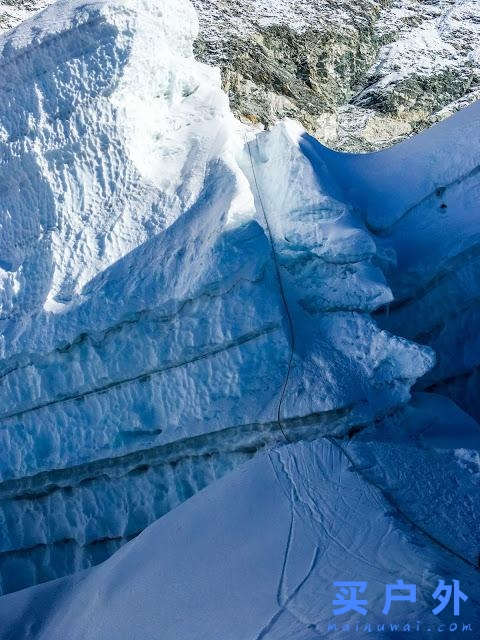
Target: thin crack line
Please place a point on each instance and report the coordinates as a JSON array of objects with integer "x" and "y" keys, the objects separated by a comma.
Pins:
[
  {"x": 400, "y": 513},
  {"x": 145, "y": 375},
  {"x": 282, "y": 294}
]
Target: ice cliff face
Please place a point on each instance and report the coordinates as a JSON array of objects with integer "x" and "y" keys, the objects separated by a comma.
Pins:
[
  {"x": 358, "y": 75},
  {"x": 147, "y": 331},
  {"x": 421, "y": 203},
  {"x": 137, "y": 293}
]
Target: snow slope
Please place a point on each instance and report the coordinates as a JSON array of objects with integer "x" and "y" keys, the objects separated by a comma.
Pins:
[
  {"x": 146, "y": 349},
  {"x": 254, "y": 556}
]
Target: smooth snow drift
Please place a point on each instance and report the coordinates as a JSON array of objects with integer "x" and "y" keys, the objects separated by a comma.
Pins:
[{"x": 254, "y": 556}]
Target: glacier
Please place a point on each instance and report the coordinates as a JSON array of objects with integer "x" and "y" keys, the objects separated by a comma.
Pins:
[{"x": 181, "y": 293}]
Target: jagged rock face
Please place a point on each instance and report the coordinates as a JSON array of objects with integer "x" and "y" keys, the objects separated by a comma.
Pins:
[
  {"x": 297, "y": 61},
  {"x": 14, "y": 11},
  {"x": 427, "y": 64},
  {"x": 358, "y": 75}
]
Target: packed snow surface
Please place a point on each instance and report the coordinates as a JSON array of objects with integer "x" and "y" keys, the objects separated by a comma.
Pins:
[
  {"x": 177, "y": 294},
  {"x": 254, "y": 556}
]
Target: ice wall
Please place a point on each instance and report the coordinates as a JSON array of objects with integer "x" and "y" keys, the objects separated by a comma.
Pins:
[
  {"x": 139, "y": 306},
  {"x": 421, "y": 200}
]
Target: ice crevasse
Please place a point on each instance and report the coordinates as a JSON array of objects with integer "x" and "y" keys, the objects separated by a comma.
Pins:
[{"x": 179, "y": 292}]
